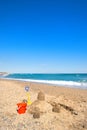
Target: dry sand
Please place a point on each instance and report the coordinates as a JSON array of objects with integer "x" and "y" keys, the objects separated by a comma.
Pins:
[{"x": 72, "y": 105}]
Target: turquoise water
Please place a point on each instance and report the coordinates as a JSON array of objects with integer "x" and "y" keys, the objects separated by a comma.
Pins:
[{"x": 72, "y": 80}]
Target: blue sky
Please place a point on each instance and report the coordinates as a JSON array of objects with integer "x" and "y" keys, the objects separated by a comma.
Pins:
[{"x": 43, "y": 36}]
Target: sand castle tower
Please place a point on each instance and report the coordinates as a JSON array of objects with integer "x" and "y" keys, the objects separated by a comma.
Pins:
[
  {"x": 39, "y": 106},
  {"x": 41, "y": 96}
]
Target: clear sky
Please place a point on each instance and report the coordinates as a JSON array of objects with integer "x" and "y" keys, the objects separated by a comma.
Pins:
[{"x": 44, "y": 36}]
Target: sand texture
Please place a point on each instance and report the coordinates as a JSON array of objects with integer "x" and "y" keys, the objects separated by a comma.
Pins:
[{"x": 55, "y": 108}]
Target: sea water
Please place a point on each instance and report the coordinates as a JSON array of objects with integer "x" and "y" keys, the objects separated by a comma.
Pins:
[{"x": 69, "y": 80}]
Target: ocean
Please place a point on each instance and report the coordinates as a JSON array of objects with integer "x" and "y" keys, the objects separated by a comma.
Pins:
[{"x": 69, "y": 80}]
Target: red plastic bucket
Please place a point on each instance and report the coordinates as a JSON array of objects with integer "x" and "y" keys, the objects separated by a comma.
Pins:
[{"x": 21, "y": 108}]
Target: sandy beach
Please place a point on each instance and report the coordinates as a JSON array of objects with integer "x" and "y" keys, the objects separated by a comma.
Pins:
[{"x": 62, "y": 108}]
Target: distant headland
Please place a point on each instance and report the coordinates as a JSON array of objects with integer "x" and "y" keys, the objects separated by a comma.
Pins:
[{"x": 3, "y": 73}]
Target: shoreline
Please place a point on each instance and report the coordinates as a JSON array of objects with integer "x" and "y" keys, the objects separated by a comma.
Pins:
[
  {"x": 76, "y": 85},
  {"x": 53, "y": 89}
]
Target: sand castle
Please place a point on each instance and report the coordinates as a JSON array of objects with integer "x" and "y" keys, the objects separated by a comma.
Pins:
[{"x": 39, "y": 106}]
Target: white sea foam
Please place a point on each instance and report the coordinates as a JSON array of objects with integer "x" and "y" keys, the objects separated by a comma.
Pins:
[{"x": 57, "y": 82}]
